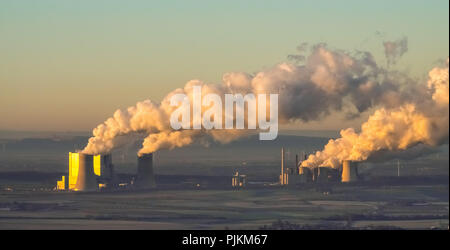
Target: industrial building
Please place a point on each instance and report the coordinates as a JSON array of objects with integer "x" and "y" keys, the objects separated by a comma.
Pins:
[
  {"x": 94, "y": 172},
  {"x": 295, "y": 175},
  {"x": 349, "y": 171}
]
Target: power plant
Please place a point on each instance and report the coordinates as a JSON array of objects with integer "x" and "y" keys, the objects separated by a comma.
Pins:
[
  {"x": 95, "y": 172},
  {"x": 322, "y": 174}
]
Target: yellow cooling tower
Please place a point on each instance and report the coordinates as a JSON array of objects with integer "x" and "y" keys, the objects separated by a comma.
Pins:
[
  {"x": 73, "y": 169},
  {"x": 98, "y": 165},
  {"x": 81, "y": 172},
  {"x": 349, "y": 171}
]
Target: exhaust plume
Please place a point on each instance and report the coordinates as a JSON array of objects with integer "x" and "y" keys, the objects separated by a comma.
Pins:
[
  {"x": 326, "y": 81},
  {"x": 423, "y": 120},
  {"x": 393, "y": 50}
]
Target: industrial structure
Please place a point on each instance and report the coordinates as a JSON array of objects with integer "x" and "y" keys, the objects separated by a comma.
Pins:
[
  {"x": 294, "y": 175},
  {"x": 322, "y": 174},
  {"x": 145, "y": 177},
  {"x": 349, "y": 171},
  {"x": 238, "y": 180},
  {"x": 94, "y": 172},
  {"x": 283, "y": 176}
]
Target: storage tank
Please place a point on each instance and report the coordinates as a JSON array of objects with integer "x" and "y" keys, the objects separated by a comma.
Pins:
[
  {"x": 349, "y": 171},
  {"x": 86, "y": 179},
  {"x": 145, "y": 177}
]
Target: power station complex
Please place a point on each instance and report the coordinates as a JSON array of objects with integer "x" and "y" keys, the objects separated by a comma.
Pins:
[
  {"x": 297, "y": 175},
  {"x": 94, "y": 172}
]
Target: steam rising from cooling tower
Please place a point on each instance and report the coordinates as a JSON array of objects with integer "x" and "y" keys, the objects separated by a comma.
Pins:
[
  {"x": 327, "y": 81},
  {"x": 422, "y": 120},
  {"x": 324, "y": 81}
]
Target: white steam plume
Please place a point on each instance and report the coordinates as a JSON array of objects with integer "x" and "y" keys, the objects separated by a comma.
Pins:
[
  {"x": 424, "y": 120},
  {"x": 326, "y": 82}
]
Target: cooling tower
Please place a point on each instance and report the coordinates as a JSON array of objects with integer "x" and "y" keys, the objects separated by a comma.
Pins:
[
  {"x": 349, "y": 171},
  {"x": 86, "y": 179},
  {"x": 305, "y": 174},
  {"x": 145, "y": 177}
]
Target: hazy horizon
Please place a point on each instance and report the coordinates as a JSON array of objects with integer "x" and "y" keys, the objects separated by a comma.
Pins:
[{"x": 60, "y": 58}]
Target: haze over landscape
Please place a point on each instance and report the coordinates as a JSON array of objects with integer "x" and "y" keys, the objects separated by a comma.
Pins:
[{"x": 362, "y": 83}]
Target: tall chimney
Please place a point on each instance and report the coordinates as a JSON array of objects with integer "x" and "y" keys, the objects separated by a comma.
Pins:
[{"x": 145, "y": 177}]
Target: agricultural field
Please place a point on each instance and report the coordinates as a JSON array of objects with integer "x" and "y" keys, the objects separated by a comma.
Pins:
[{"x": 347, "y": 206}]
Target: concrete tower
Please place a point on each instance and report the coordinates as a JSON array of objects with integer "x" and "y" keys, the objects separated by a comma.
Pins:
[
  {"x": 145, "y": 177},
  {"x": 349, "y": 171},
  {"x": 322, "y": 174},
  {"x": 86, "y": 179}
]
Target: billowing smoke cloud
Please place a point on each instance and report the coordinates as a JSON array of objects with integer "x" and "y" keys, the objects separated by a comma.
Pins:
[
  {"x": 327, "y": 81},
  {"x": 420, "y": 120},
  {"x": 395, "y": 49}
]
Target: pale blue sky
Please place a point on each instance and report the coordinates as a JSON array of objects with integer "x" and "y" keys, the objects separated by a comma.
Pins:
[{"x": 67, "y": 65}]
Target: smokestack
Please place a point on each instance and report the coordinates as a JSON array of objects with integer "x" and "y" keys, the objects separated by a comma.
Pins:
[
  {"x": 86, "y": 180},
  {"x": 349, "y": 171},
  {"x": 145, "y": 177}
]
